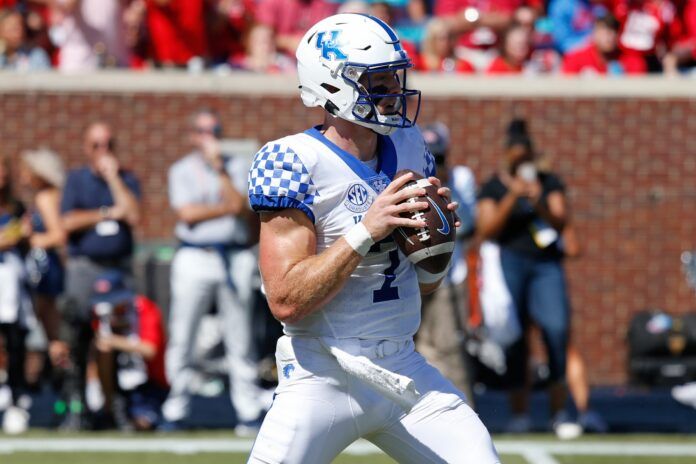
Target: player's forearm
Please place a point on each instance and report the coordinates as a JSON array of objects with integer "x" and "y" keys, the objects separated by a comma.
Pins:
[{"x": 310, "y": 283}]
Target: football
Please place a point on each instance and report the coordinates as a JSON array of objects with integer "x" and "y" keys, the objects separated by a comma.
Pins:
[{"x": 430, "y": 247}]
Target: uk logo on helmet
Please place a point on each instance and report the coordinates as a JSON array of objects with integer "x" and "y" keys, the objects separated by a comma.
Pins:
[{"x": 329, "y": 45}]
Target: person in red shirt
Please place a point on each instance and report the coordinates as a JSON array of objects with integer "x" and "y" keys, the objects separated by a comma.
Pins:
[
  {"x": 177, "y": 31},
  {"x": 130, "y": 342},
  {"x": 437, "y": 54},
  {"x": 229, "y": 22},
  {"x": 481, "y": 22},
  {"x": 648, "y": 28},
  {"x": 603, "y": 55},
  {"x": 515, "y": 51},
  {"x": 290, "y": 19},
  {"x": 683, "y": 53}
]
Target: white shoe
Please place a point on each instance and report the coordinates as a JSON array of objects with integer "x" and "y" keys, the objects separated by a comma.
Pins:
[
  {"x": 564, "y": 428},
  {"x": 15, "y": 421},
  {"x": 519, "y": 424},
  {"x": 685, "y": 394}
]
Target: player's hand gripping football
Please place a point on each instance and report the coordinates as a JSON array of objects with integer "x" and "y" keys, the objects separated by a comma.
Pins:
[
  {"x": 447, "y": 193},
  {"x": 385, "y": 213}
]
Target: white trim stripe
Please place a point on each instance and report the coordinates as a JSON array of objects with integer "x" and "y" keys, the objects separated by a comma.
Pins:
[
  {"x": 248, "y": 84},
  {"x": 179, "y": 445}
]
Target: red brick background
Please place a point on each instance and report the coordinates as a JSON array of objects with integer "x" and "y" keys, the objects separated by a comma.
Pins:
[{"x": 630, "y": 165}]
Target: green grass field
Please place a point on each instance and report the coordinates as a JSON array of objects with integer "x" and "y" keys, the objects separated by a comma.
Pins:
[{"x": 44, "y": 447}]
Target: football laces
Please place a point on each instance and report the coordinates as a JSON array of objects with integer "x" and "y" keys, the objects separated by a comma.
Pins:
[{"x": 423, "y": 232}]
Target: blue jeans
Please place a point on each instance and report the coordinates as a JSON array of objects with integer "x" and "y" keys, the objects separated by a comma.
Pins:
[{"x": 538, "y": 289}]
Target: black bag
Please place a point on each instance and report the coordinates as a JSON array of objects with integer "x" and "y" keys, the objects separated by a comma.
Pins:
[{"x": 662, "y": 348}]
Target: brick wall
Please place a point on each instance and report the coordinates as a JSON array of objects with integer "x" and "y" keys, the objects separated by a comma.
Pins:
[{"x": 629, "y": 163}]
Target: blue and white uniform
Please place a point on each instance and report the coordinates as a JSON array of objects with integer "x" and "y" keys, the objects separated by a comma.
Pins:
[
  {"x": 306, "y": 171},
  {"x": 319, "y": 408}
]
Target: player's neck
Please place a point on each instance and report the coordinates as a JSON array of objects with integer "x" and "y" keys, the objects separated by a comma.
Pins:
[{"x": 359, "y": 141}]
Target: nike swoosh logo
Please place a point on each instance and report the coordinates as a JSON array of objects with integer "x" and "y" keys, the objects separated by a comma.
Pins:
[
  {"x": 445, "y": 229},
  {"x": 401, "y": 231}
]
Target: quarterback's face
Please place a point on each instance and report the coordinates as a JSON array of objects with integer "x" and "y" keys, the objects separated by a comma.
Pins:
[{"x": 384, "y": 83}]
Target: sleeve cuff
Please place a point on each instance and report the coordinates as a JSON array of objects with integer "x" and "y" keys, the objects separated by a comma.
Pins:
[{"x": 260, "y": 202}]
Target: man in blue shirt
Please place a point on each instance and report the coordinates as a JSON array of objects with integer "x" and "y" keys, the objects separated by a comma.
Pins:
[{"x": 100, "y": 206}]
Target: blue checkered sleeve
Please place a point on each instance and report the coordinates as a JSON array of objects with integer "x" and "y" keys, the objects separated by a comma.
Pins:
[
  {"x": 278, "y": 179},
  {"x": 429, "y": 167}
]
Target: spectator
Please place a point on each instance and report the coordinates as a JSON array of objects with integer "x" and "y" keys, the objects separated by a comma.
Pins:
[
  {"x": 682, "y": 56},
  {"x": 43, "y": 175},
  {"x": 214, "y": 265},
  {"x": 229, "y": 24},
  {"x": 602, "y": 55},
  {"x": 441, "y": 334},
  {"x": 129, "y": 338},
  {"x": 573, "y": 22},
  {"x": 100, "y": 207},
  {"x": 15, "y": 307},
  {"x": 177, "y": 32},
  {"x": 135, "y": 35},
  {"x": 382, "y": 11},
  {"x": 290, "y": 19},
  {"x": 437, "y": 53},
  {"x": 516, "y": 49},
  {"x": 648, "y": 29},
  {"x": 36, "y": 15},
  {"x": 524, "y": 211},
  {"x": 354, "y": 6},
  {"x": 261, "y": 54},
  {"x": 412, "y": 28},
  {"x": 89, "y": 34},
  {"x": 17, "y": 53},
  {"x": 480, "y": 23}
]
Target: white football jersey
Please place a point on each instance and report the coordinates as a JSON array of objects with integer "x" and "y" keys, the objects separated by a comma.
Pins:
[{"x": 381, "y": 299}]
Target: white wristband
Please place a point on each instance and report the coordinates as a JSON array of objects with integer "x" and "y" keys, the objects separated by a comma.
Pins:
[
  {"x": 425, "y": 277},
  {"x": 359, "y": 239}
]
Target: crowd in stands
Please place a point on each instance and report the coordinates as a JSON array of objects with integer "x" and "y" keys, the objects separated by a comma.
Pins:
[{"x": 449, "y": 36}]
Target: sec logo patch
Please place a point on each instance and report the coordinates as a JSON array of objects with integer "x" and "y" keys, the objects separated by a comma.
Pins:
[{"x": 358, "y": 199}]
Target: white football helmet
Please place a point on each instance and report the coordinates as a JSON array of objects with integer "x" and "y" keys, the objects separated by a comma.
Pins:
[{"x": 336, "y": 52}]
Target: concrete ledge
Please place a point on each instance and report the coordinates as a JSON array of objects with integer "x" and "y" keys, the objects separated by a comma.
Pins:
[{"x": 240, "y": 83}]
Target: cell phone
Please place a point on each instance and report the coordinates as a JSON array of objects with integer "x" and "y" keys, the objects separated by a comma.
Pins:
[{"x": 527, "y": 172}]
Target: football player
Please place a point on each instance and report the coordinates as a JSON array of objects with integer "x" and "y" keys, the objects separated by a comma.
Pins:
[{"x": 348, "y": 299}]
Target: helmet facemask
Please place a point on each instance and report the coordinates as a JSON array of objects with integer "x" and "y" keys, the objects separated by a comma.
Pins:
[{"x": 372, "y": 84}]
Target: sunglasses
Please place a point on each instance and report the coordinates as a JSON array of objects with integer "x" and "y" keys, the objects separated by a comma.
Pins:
[
  {"x": 215, "y": 131},
  {"x": 109, "y": 144}
]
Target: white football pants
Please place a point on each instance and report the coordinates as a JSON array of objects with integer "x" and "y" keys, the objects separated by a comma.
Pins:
[{"x": 319, "y": 410}]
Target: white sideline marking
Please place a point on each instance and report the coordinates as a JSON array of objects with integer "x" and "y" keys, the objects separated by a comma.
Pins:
[
  {"x": 536, "y": 452},
  {"x": 538, "y": 456}
]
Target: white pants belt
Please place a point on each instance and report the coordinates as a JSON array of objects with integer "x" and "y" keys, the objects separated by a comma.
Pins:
[{"x": 381, "y": 348}]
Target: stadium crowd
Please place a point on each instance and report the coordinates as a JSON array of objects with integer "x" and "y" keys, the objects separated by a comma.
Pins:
[{"x": 452, "y": 36}]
